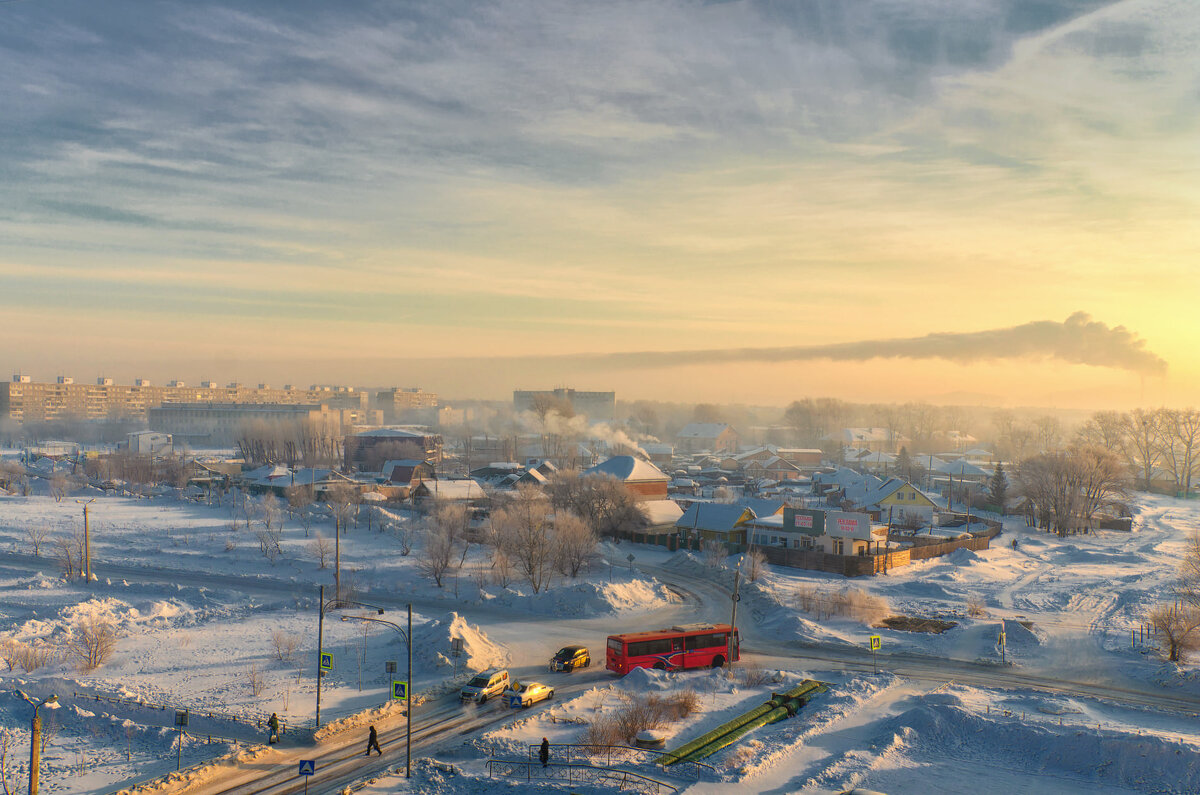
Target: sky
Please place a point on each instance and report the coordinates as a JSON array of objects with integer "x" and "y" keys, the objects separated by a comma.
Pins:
[{"x": 692, "y": 201}]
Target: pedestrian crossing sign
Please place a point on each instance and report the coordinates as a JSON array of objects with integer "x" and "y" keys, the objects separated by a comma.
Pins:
[
  {"x": 876, "y": 642},
  {"x": 307, "y": 767},
  {"x": 326, "y": 661},
  {"x": 399, "y": 690}
]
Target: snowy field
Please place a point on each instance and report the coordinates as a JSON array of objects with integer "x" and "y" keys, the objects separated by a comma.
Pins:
[{"x": 208, "y": 622}]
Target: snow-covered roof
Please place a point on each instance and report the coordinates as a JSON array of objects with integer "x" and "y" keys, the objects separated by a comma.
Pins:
[
  {"x": 463, "y": 489},
  {"x": 660, "y": 512},
  {"x": 961, "y": 468},
  {"x": 714, "y": 516},
  {"x": 761, "y": 507},
  {"x": 629, "y": 469}
]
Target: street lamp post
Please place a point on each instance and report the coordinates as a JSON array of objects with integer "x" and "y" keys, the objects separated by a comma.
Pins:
[
  {"x": 35, "y": 739},
  {"x": 87, "y": 541},
  {"x": 407, "y": 682},
  {"x": 323, "y": 606}
]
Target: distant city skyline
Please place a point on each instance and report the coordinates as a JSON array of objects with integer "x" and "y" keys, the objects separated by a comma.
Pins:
[{"x": 727, "y": 202}]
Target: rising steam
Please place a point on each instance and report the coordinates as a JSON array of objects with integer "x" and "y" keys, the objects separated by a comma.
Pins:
[{"x": 1077, "y": 340}]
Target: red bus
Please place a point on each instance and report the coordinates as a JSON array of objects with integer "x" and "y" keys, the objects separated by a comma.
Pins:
[{"x": 672, "y": 649}]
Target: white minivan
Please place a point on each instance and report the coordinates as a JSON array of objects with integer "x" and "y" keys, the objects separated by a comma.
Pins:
[{"x": 485, "y": 685}]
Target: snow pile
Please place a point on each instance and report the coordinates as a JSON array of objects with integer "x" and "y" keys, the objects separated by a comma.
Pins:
[
  {"x": 432, "y": 646},
  {"x": 962, "y": 557},
  {"x": 585, "y": 597}
]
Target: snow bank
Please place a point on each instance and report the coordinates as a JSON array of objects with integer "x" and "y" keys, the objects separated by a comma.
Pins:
[
  {"x": 432, "y": 642},
  {"x": 585, "y": 598}
]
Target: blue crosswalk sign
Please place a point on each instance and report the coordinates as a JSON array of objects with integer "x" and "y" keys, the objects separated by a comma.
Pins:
[
  {"x": 400, "y": 690},
  {"x": 326, "y": 661},
  {"x": 308, "y": 767}
]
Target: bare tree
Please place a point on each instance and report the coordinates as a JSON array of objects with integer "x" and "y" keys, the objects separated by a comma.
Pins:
[
  {"x": 342, "y": 499},
  {"x": 756, "y": 564},
  {"x": 524, "y": 532},
  {"x": 69, "y": 550},
  {"x": 6, "y": 778},
  {"x": 1143, "y": 448},
  {"x": 271, "y": 511},
  {"x": 715, "y": 552},
  {"x": 321, "y": 548},
  {"x": 91, "y": 643},
  {"x": 603, "y": 501},
  {"x": 299, "y": 498},
  {"x": 59, "y": 484},
  {"x": 576, "y": 543},
  {"x": 285, "y": 644},
  {"x": 1178, "y": 627},
  {"x": 441, "y": 542},
  {"x": 37, "y": 534},
  {"x": 255, "y": 680}
]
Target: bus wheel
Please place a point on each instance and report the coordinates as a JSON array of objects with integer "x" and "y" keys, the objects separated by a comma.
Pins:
[
  {"x": 718, "y": 661},
  {"x": 659, "y": 666}
]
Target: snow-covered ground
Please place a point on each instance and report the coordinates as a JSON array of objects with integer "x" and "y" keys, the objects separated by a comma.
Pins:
[{"x": 208, "y": 622}]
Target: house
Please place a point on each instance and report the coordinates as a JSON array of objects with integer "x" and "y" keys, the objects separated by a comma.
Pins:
[
  {"x": 762, "y": 507},
  {"x": 658, "y": 453},
  {"x": 717, "y": 437},
  {"x": 456, "y": 490},
  {"x": 406, "y": 472},
  {"x": 660, "y": 514},
  {"x": 714, "y": 521},
  {"x": 773, "y": 468},
  {"x": 831, "y": 532},
  {"x": 149, "y": 443},
  {"x": 643, "y": 479},
  {"x": 369, "y": 449},
  {"x": 897, "y": 501}
]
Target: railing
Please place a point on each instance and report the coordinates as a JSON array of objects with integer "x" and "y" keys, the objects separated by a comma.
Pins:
[
  {"x": 589, "y": 753},
  {"x": 259, "y": 722},
  {"x": 612, "y": 778}
]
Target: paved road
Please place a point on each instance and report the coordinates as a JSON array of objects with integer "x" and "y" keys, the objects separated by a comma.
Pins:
[{"x": 446, "y": 721}]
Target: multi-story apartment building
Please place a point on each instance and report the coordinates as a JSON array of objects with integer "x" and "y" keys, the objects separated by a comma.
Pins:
[
  {"x": 24, "y": 400},
  {"x": 220, "y": 423},
  {"x": 399, "y": 404},
  {"x": 595, "y": 405}
]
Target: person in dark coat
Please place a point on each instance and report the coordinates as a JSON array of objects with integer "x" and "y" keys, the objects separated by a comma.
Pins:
[
  {"x": 273, "y": 725},
  {"x": 373, "y": 742},
  {"x": 544, "y": 752}
]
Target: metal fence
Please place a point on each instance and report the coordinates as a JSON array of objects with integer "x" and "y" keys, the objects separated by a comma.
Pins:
[
  {"x": 608, "y": 755},
  {"x": 258, "y": 722},
  {"x": 609, "y": 777}
]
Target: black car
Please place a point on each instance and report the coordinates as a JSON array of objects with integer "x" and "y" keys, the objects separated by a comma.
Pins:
[{"x": 569, "y": 658}]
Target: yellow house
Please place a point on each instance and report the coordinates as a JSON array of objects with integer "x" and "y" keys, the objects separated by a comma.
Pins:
[{"x": 898, "y": 500}]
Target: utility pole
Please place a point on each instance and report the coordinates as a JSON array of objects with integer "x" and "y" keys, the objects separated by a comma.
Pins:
[
  {"x": 736, "y": 597},
  {"x": 35, "y": 739},
  {"x": 87, "y": 542},
  {"x": 337, "y": 555},
  {"x": 320, "y": 648}
]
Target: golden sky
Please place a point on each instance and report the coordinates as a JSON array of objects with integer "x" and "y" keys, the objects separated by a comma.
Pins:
[{"x": 299, "y": 194}]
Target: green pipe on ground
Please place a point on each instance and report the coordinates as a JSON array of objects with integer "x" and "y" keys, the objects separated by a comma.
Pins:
[
  {"x": 774, "y": 716},
  {"x": 776, "y": 702}
]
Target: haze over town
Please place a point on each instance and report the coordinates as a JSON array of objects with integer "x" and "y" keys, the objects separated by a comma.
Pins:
[{"x": 671, "y": 396}]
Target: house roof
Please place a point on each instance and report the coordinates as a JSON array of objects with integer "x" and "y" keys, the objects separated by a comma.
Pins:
[
  {"x": 702, "y": 430},
  {"x": 464, "y": 489},
  {"x": 628, "y": 469},
  {"x": 390, "y": 433},
  {"x": 660, "y": 512},
  {"x": 962, "y": 468},
  {"x": 714, "y": 516},
  {"x": 890, "y": 487},
  {"x": 762, "y": 507}
]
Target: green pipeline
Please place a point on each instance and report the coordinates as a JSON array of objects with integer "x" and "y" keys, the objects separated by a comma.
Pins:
[{"x": 779, "y": 706}]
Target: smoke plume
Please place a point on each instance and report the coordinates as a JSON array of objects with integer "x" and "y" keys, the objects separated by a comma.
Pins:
[{"x": 1077, "y": 340}]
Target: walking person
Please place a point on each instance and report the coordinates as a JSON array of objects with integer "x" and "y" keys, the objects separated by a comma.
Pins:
[
  {"x": 273, "y": 725},
  {"x": 544, "y": 752},
  {"x": 373, "y": 742}
]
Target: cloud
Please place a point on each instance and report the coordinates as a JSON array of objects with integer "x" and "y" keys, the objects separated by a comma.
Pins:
[{"x": 1077, "y": 340}]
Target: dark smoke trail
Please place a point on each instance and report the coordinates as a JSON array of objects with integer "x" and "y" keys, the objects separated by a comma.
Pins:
[{"x": 1078, "y": 340}]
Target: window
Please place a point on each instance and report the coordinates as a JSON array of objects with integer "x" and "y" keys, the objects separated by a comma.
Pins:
[
  {"x": 838, "y": 547},
  {"x": 616, "y": 645}
]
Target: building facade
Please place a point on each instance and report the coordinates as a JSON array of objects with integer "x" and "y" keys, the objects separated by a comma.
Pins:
[
  {"x": 593, "y": 405},
  {"x": 24, "y": 400}
]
